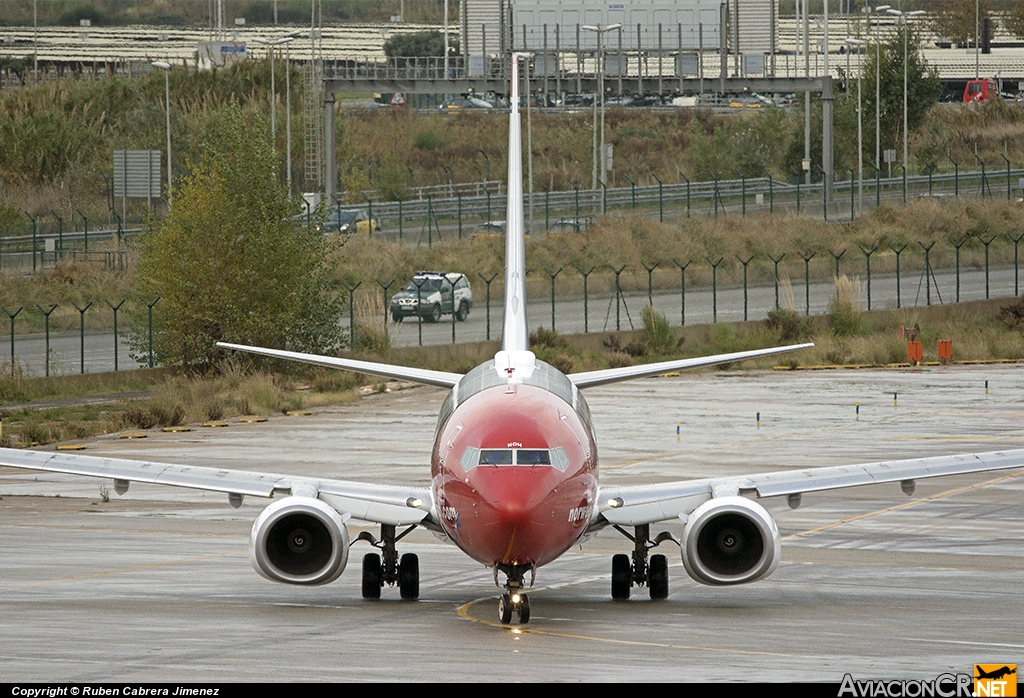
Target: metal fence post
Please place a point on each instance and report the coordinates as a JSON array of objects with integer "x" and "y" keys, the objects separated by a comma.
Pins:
[
  {"x": 928, "y": 272},
  {"x": 714, "y": 287},
  {"x": 650, "y": 286},
  {"x": 46, "y": 313},
  {"x": 1016, "y": 288},
  {"x": 837, "y": 257},
  {"x": 867, "y": 259},
  {"x": 552, "y": 277},
  {"x": 351, "y": 314},
  {"x": 488, "y": 282},
  {"x": 12, "y": 316},
  {"x": 35, "y": 232},
  {"x": 807, "y": 280},
  {"x": 682, "y": 290},
  {"x": 115, "y": 308},
  {"x": 745, "y": 263},
  {"x": 958, "y": 246},
  {"x": 776, "y": 263},
  {"x": 81, "y": 325},
  {"x": 986, "y": 243},
  {"x": 149, "y": 307},
  {"x": 585, "y": 274},
  {"x": 899, "y": 299}
]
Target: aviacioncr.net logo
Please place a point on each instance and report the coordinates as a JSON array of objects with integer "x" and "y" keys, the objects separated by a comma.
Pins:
[{"x": 942, "y": 686}]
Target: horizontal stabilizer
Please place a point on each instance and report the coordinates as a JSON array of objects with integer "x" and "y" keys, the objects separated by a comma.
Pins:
[
  {"x": 442, "y": 379},
  {"x": 588, "y": 379}
]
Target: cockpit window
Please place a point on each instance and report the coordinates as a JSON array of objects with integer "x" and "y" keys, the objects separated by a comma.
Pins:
[
  {"x": 533, "y": 456},
  {"x": 495, "y": 456},
  {"x": 556, "y": 457}
]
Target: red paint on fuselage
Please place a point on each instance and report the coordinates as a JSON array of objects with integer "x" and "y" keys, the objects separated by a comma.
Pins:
[{"x": 514, "y": 514}]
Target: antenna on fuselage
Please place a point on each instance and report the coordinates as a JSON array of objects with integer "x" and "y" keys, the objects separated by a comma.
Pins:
[{"x": 515, "y": 335}]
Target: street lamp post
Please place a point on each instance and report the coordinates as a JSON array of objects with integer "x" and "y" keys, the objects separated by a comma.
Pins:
[
  {"x": 860, "y": 127},
  {"x": 878, "y": 87},
  {"x": 166, "y": 67},
  {"x": 273, "y": 90},
  {"x": 600, "y": 31},
  {"x": 906, "y": 30},
  {"x": 284, "y": 40}
]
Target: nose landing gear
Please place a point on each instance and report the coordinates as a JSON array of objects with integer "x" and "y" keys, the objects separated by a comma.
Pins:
[{"x": 514, "y": 602}]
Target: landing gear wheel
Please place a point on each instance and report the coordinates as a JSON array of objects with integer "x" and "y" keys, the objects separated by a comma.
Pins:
[
  {"x": 524, "y": 609},
  {"x": 463, "y": 312},
  {"x": 505, "y": 609},
  {"x": 658, "y": 577},
  {"x": 372, "y": 579},
  {"x": 435, "y": 314},
  {"x": 621, "y": 581},
  {"x": 409, "y": 576}
]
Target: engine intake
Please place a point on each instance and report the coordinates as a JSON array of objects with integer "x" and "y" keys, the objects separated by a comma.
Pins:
[
  {"x": 730, "y": 540},
  {"x": 299, "y": 540}
]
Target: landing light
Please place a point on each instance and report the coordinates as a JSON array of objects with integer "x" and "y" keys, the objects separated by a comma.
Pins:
[
  {"x": 413, "y": 502},
  {"x": 615, "y": 502},
  {"x": 516, "y": 598}
]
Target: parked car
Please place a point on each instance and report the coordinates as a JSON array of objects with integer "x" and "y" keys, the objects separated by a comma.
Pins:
[
  {"x": 349, "y": 221},
  {"x": 432, "y": 294},
  {"x": 570, "y": 225},
  {"x": 460, "y": 103}
]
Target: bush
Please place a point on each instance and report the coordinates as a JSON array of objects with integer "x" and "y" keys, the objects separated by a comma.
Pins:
[
  {"x": 660, "y": 336},
  {"x": 844, "y": 314}
]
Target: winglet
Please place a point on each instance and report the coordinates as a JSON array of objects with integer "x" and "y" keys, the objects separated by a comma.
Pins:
[{"x": 515, "y": 335}]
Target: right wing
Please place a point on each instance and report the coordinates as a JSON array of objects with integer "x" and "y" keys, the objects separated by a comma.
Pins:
[
  {"x": 645, "y": 504},
  {"x": 442, "y": 379},
  {"x": 588, "y": 379}
]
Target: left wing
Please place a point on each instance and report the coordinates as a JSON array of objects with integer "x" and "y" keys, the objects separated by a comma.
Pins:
[
  {"x": 387, "y": 504},
  {"x": 645, "y": 504},
  {"x": 442, "y": 379}
]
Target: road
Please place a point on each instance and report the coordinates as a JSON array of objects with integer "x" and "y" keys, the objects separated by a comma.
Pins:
[{"x": 702, "y": 306}]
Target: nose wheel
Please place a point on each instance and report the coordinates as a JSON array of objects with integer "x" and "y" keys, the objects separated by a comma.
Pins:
[{"x": 514, "y": 604}]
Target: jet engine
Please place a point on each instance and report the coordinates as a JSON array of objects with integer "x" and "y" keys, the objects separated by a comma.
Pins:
[
  {"x": 730, "y": 540},
  {"x": 299, "y": 540}
]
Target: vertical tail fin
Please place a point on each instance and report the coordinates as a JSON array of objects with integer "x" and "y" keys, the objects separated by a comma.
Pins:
[{"x": 515, "y": 334}]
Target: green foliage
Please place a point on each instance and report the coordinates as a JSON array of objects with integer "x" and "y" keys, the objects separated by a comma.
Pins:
[
  {"x": 660, "y": 336},
  {"x": 789, "y": 325},
  {"x": 955, "y": 19},
  {"x": 923, "y": 89},
  {"x": 426, "y": 140},
  {"x": 1014, "y": 19},
  {"x": 844, "y": 315},
  {"x": 424, "y": 43},
  {"x": 231, "y": 262},
  {"x": 79, "y": 11}
]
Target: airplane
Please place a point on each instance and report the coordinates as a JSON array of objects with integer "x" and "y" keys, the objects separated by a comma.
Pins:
[{"x": 514, "y": 474}]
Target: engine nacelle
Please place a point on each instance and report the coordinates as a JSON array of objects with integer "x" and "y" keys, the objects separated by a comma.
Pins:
[
  {"x": 299, "y": 540},
  {"x": 730, "y": 540}
]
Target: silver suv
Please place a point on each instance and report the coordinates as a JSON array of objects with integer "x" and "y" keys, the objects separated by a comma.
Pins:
[{"x": 432, "y": 294}]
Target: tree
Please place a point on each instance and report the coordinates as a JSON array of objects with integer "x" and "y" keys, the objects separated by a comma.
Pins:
[
  {"x": 955, "y": 19},
  {"x": 425, "y": 43},
  {"x": 232, "y": 261},
  {"x": 1014, "y": 19},
  {"x": 923, "y": 89}
]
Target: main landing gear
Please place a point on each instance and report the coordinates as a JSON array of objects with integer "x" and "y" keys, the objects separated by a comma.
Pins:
[
  {"x": 514, "y": 602},
  {"x": 391, "y": 570},
  {"x": 640, "y": 570}
]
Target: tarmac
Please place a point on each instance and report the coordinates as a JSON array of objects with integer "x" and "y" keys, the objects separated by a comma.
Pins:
[{"x": 155, "y": 585}]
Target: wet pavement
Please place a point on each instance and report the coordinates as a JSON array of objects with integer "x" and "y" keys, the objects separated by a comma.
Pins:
[{"x": 156, "y": 585}]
